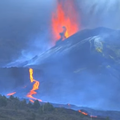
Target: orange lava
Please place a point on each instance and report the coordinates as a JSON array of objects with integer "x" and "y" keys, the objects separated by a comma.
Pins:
[
  {"x": 66, "y": 16},
  {"x": 82, "y": 112},
  {"x": 35, "y": 86},
  {"x": 9, "y": 94},
  {"x": 31, "y": 101}
]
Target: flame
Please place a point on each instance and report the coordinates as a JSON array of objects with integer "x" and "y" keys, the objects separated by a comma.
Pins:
[
  {"x": 66, "y": 17},
  {"x": 35, "y": 86},
  {"x": 9, "y": 94},
  {"x": 82, "y": 112}
]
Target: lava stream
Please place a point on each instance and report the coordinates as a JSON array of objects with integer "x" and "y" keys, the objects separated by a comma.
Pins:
[
  {"x": 9, "y": 94},
  {"x": 35, "y": 87},
  {"x": 82, "y": 112}
]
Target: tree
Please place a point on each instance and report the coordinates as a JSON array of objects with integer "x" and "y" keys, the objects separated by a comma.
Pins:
[
  {"x": 29, "y": 104},
  {"x": 24, "y": 102},
  {"x": 3, "y": 102},
  {"x": 48, "y": 107},
  {"x": 36, "y": 104},
  {"x": 11, "y": 97}
]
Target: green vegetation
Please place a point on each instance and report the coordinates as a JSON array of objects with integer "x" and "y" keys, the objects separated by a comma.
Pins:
[{"x": 14, "y": 109}]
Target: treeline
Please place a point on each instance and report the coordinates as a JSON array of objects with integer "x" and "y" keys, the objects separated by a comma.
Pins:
[
  {"x": 13, "y": 108},
  {"x": 30, "y": 111},
  {"x": 15, "y": 103}
]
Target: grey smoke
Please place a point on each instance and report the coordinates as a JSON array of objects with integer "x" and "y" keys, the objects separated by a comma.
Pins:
[{"x": 95, "y": 13}]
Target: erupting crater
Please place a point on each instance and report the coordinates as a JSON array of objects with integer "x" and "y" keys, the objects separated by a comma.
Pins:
[{"x": 65, "y": 21}]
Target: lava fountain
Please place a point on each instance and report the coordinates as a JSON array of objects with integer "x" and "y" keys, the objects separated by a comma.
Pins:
[
  {"x": 35, "y": 87},
  {"x": 65, "y": 21}
]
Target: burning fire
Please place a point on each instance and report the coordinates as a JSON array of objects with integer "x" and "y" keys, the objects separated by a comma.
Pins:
[
  {"x": 35, "y": 87},
  {"x": 9, "y": 94},
  {"x": 65, "y": 21}
]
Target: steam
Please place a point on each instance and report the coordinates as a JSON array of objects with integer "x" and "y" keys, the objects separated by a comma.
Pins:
[{"x": 97, "y": 13}]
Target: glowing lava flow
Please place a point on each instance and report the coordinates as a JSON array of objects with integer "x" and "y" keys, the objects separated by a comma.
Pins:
[
  {"x": 35, "y": 87},
  {"x": 82, "y": 112},
  {"x": 9, "y": 94},
  {"x": 65, "y": 20}
]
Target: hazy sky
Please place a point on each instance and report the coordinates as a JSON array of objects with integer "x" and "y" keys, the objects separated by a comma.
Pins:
[
  {"x": 100, "y": 13},
  {"x": 24, "y": 24}
]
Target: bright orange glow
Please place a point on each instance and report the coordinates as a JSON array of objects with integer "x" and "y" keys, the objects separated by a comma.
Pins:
[
  {"x": 82, "y": 112},
  {"x": 9, "y": 94},
  {"x": 35, "y": 86},
  {"x": 31, "y": 101},
  {"x": 65, "y": 20},
  {"x": 79, "y": 111}
]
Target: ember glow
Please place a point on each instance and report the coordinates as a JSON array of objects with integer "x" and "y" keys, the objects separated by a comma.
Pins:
[
  {"x": 35, "y": 87},
  {"x": 31, "y": 101},
  {"x": 9, "y": 94},
  {"x": 82, "y": 112},
  {"x": 65, "y": 21}
]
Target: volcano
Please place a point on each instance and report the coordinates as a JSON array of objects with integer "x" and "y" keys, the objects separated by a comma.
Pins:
[{"x": 83, "y": 70}]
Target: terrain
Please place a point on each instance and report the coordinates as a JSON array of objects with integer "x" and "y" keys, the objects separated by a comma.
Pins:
[{"x": 14, "y": 109}]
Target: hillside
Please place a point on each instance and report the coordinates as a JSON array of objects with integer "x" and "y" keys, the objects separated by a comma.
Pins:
[
  {"x": 14, "y": 109},
  {"x": 113, "y": 115}
]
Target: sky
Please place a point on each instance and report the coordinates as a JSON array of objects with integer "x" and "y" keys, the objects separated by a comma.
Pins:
[{"x": 25, "y": 28}]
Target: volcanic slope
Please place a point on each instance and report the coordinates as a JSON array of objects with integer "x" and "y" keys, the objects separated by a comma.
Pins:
[
  {"x": 87, "y": 61},
  {"x": 99, "y": 45}
]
